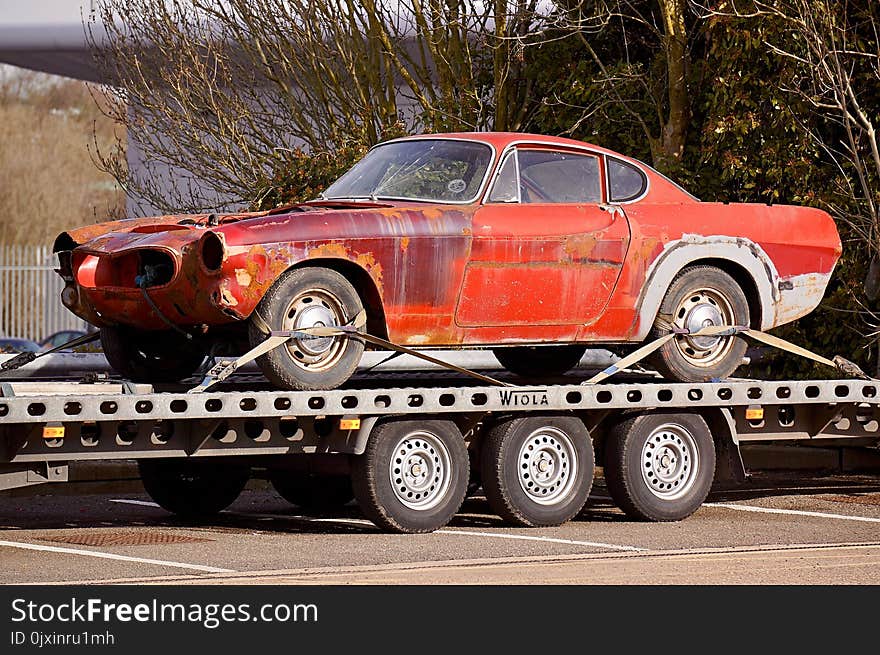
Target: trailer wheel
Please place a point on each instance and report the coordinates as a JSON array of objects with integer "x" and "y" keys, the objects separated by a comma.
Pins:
[
  {"x": 413, "y": 475},
  {"x": 193, "y": 488},
  {"x": 660, "y": 467},
  {"x": 538, "y": 471},
  {"x": 312, "y": 492},
  {"x": 539, "y": 361}
]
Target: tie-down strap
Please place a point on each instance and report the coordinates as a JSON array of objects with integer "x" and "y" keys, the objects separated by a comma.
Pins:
[
  {"x": 352, "y": 329},
  {"x": 841, "y": 364}
]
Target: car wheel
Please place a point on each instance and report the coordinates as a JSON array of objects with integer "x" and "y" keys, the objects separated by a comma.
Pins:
[
  {"x": 659, "y": 467},
  {"x": 413, "y": 475},
  {"x": 537, "y": 471},
  {"x": 311, "y": 492},
  {"x": 539, "y": 361},
  {"x": 191, "y": 488},
  {"x": 304, "y": 298},
  {"x": 699, "y": 297},
  {"x": 147, "y": 356}
]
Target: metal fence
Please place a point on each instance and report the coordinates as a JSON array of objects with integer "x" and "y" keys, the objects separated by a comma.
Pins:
[{"x": 30, "y": 294}]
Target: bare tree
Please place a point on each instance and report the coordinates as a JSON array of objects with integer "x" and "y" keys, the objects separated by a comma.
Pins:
[
  {"x": 835, "y": 47},
  {"x": 230, "y": 95},
  {"x": 653, "y": 94}
]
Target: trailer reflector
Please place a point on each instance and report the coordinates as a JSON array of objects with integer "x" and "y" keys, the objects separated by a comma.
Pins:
[
  {"x": 350, "y": 424},
  {"x": 53, "y": 432},
  {"x": 754, "y": 413}
]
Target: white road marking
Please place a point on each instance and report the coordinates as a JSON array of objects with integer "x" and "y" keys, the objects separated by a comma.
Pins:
[
  {"x": 554, "y": 540},
  {"x": 770, "y": 510},
  {"x": 134, "y": 502},
  {"x": 123, "y": 558}
]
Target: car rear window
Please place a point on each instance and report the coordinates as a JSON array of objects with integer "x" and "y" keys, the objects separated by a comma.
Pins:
[{"x": 625, "y": 181}]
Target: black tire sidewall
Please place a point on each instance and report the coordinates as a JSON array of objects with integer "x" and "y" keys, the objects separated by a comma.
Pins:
[
  {"x": 215, "y": 485},
  {"x": 623, "y": 467},
  {"x": 278, "y": 366},
  {"x": 310, "y": 491},
  {"x": 373, "y": 487},
  {"x": 501, "y": 479},
  {"x": 668, "y": 359},
  {"x": 178, "y": 358},
  {"x": 539, "y": 361}
]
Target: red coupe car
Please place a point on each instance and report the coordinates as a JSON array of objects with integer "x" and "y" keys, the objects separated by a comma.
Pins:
[{"x": 533, "y": 246}]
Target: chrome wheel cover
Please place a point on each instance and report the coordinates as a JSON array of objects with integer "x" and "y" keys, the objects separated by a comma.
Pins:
[
  {"x": 314, "y": 308},
  {"x": 547, "y": 466},
  {"x": 701, "y": 308},
  {"x": 670, "y": 461},
  {"x": 420, "y": 470}
]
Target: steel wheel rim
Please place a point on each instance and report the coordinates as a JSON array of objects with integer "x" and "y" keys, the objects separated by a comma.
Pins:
[
  {"x": 420, "y": 470},
  {"x": 670, "y": 461},
  {"x": 314, "y": 308},
  {"x": 547, "y": 466},
  {"x": 703, "y": 307}
]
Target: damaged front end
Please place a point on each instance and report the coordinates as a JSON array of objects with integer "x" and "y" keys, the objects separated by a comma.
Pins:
[{"x": 147, "y": 273}]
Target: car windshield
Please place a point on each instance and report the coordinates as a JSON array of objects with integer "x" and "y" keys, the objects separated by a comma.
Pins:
[{"x": 428, "y": 170}]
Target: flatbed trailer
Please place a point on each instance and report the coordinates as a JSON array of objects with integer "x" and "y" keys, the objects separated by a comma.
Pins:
[{"x": 410, "y": 447}]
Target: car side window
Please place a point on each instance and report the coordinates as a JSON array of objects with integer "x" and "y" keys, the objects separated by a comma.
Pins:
[
  {"x": 504, "y": 189},
  {"x": 559, "y": 177},
  {"x": 625, "y": 181}
]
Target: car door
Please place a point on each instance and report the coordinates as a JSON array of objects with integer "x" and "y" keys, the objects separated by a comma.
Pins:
[{"x": 546, "y": 251}]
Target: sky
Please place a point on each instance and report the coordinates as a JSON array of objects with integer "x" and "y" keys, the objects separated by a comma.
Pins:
[{"x": 17, "y": 12}]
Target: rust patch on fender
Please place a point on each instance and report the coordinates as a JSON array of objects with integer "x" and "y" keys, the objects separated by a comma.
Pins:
[
  {"x": 404, "y": 244},
  {"x": 331, "y": 249},
  {"x": 369, "y": 263}
]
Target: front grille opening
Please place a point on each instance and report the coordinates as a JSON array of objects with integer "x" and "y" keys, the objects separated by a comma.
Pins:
[{"x": 155, "y": 268}]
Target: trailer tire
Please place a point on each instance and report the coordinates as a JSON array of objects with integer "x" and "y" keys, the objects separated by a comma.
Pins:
[
  {"x": 538, "y": 471},
  {"x": 660, "y": 467},
  {"x": 311, "y": 492},
  {"x": 413, "y": 475},
  {"x": 539, "y": 361},
  {"x": 191, "y": 488}
]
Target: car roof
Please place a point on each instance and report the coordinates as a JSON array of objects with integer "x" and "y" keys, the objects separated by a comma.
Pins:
[
  {"x": 661, "y": 188},
  {"x": 500, "y": 140}
]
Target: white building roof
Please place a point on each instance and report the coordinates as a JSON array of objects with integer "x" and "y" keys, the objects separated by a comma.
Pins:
[{"x": 47, "y": 35}]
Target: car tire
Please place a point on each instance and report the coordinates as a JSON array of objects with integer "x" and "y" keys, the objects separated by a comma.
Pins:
[
  {"x": 191, "y": 488},
  {"x": 311, "y": 492},
  {"x": 147, "y": 356},
  {"x": 700, "y": 296},
  {"x": 518, "y": 490},
  {"x": 301, "y": 298},
  {"x": 659, "y": 467},
  {"x": 413, "y": 475},
  {"x": 539, "y": 361}
]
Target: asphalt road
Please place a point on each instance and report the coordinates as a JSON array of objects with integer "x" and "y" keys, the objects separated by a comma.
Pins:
[{"x": 779, "y": 528}]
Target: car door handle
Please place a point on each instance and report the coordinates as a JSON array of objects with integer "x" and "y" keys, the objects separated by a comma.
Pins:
[{"x": 612, "y": 209}]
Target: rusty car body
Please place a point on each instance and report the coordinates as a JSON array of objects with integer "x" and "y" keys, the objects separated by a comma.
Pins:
[{"x": 534, "y": 246}]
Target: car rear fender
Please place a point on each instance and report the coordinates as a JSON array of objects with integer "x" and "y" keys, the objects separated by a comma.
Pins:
[{"x": 691, "y": 249}]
